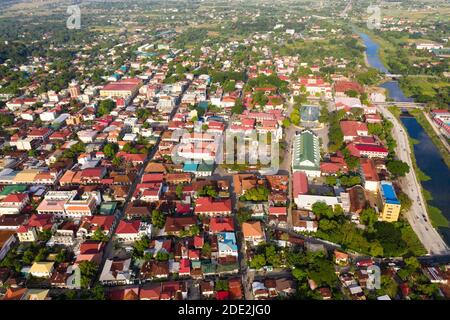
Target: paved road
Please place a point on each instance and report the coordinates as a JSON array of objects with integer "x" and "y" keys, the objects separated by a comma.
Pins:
[{"x": 417, "y": 216}]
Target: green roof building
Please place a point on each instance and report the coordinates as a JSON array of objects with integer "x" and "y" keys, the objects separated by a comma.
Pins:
[
  {"x": 228, "y": 268},
  {"x": 306, "y": 154},
  {"x": 17, "y": 188},
  {"x": 205, "y": 169},
  {"x": 108, "y": 208},
  {"x": 208, "y": 268}
]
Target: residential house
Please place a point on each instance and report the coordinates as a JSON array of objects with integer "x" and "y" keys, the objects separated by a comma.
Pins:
[
  {"x": 131, "y": 231},
  {"x": 42, "y": 269},
  {"x": 227, "y": 245},
  {"x": 209, "y": 207},
  {"x": 253, "y": 232},
  {"x": 14, "y": 203},
  {"x": 116, "y": 272}
]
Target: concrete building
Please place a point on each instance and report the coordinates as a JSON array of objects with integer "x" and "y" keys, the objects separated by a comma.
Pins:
[
  {"x": 306, "y": 201},
  {"x": 389, "y": 202}
]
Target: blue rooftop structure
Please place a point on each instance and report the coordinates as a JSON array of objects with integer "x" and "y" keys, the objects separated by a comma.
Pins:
[
  {"x": 215, "y": 118},
  {"x": 190, "y": 167},
  {"x": 203, "y": 105},
  {"x": 389, "y": 193},
  {"x": 227, "y": 241}
]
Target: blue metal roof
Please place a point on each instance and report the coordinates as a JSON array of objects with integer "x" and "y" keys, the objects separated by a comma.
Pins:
[{"x": 389, "y": 193}]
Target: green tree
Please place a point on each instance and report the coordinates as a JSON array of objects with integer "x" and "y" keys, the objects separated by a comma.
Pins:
[
  {"x": 33, "y": 153},
  {"x": 179, "y": 191},
  {"x": 352, "y": 93},
  {"x": 260, "y": 193},
  {"x": 99, "y": 235},
  {"x": 322, "y": 210},
  {"x": 286, "y": 123},
  {"x": 295, "y": 117},
  {"x": 389, "y": 286},
  {"x": 368, "y": 217},
  {"x": 376, "y": 249},
  {"x": 351, "y": 161},
  {"x": 206, "y": 249},
  {"x": 62, "y": 256},
  {"x": 209, "y": 191},
  {"x": 28, "y": 256},
  {"x": 324, "y": 116},
  {"x": 88, "y": 270},
  {"x": 117, "y": 161},
  {"x": 331, "y": 180},
  {"x": 299, "y": 274},
  {"x": 105, "y": 107},
  {"x": 162, "y": 256},
  {"x": 45, "y": 235},
  {"x": 258, "y": 261},
  {"x": 158, "y": 219},
  {"x": 238, "y": 107},
  {"x": 412, "y": 263},
  {"x": 398, "y": 168},
  {"x": 405, "y": 201},
  {"x": 110, "y": 150},
  {"x": 140, "y": 246},
  {"x": 244, "y": 215},
  {"x": 6, "y": 120},
  {"x": 273, "y": 258},
  {"x": 221, "y": 285}
]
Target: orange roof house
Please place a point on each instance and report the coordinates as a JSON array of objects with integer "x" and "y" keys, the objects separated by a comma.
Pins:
[{"x": 253, "y": 231}]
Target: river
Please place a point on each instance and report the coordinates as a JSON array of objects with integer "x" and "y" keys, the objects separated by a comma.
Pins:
[{"x": 428, "y": 157}]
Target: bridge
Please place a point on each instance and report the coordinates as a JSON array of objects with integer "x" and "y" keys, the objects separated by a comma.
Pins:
[
  {"x": 393, "y": 76},
  {"x": 401, "y": 104}
]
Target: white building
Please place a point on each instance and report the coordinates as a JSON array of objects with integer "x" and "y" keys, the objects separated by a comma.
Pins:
[{"x": 305, "y": 201}]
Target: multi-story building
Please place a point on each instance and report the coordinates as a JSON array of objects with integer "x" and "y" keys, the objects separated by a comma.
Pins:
[{"x": 389, "y": 202}]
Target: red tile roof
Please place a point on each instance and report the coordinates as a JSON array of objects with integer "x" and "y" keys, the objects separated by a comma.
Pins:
[
  {"x": 277, "y": 211},
  {"x": 368, "y": 169},
  {"x": 221, "y": 224},
  {"x": 351, "y": 128},
  {"x": 300, "y": 183},
  {"x": 222, "y": 295},
  {"x": 152, "y": 177},
  {"x": 185, "y": 266},
  {"x": 15, "y": 198},
  {"x": 206, "y": 205},
  {"x": 343, "y": 86},
  {"x": 183, "y": 208},
  {"x": 126, "y": 227}
]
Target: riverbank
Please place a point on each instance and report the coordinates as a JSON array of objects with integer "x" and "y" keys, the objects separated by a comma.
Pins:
[
  {"x": 428, "y": 189},
  {"x": 438, "y": 219},
  {"x": 423, "y": 121}
]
